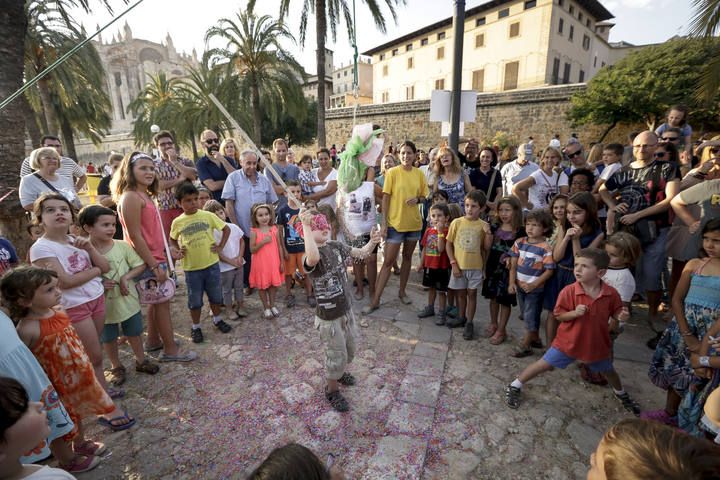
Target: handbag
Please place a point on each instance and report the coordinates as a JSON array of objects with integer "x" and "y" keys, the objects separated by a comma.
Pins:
[{"x": 150, "y": 291}]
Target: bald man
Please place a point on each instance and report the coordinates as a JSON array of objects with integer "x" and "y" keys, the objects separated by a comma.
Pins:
[{"x": 213, "y": 168}]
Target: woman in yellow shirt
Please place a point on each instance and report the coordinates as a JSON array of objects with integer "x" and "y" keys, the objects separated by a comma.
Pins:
[{"x": 404, "y": 189}]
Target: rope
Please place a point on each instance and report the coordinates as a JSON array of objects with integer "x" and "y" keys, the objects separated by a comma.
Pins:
[
  {"x": 62, "y": 59},
  {"x": 356, "y": 82}
]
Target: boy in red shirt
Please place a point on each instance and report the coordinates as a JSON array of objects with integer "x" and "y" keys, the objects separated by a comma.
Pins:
[
  {"x": 583, "y": 310},
  {"x": 436, "y": 265}
]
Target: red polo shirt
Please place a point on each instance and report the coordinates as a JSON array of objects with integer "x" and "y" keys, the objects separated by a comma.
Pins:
[{"x": 587, "y": 338}]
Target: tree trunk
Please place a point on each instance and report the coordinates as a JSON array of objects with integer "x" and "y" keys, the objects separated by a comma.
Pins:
[
  {"x": 194, "y": 145},
  {"x": 321, "y": 35},
  {"x": 607, "y": 130},
  {"x": 31, "y": 123},
  {"x": 13, "y": 28},
  {"x": 256, "y": 112},
  {"x": 68, "y": 139},
  {"x": 47, "y": 105}
]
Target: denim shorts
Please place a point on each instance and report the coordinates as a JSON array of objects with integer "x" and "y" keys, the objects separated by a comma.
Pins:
[
  {"x": 531, "y": 306},
  {"x": 393, "y": 236},
  {"x": 202, "y": 281},
  {"x": 132, "y": 327},
  {"x": 558, "y": 359}
]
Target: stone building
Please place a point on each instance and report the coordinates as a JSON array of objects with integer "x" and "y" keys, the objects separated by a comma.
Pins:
[
  {"x": 343, "y": 94},
  {"x": 508, "y": 45},
  {"x": 310, "y": 85}
]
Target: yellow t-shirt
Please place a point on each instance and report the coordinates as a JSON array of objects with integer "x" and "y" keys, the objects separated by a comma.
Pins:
[
  {"x": 195, "y": 233},
  {"x": 467, "y": 237},
  {"x": 401, "y": 185}
]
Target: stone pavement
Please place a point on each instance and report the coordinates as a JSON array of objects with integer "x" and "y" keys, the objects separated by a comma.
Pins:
[{"x": 428, "y": 404}]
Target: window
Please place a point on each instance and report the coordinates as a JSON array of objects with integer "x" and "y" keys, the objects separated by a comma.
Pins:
[
  {"x": 440, "y": 84},
  {"x": 338, "y": 75},
  {"x": 561, "y": 2},
  {"x": 408, "y": 47},
  {"x": 514, "y": 29},
  {"x": 504, "y": 13},
  {"x": 603, "y": 64},
  {"x": 511, "y": 75},
  {"x": 581, "y": 77},
  {"x": 385, "y": 97},
  {"x": 478, "y": 80},
  {"x": 572, "y": 33},
  {"x": 385, "y": 70},
  {"x": 346, "y": 73},
  {"x": 411, "y": 63},
  {"x": 530, "y": 4},
  {"x": 480, "y": 21},
  {"x": 566, "y": 74},
  {"x": 555, "y": 72},
  {"x": 118, "y": 79},
  {"x": 440, "y": 53},
  {"x": 423, "y": 42},
  {"x": 595, "y": 62},
  {"x": 441, "y": 36},
  {"x": 395, "y": 52},
  {"x": 586, "y": 42},
  {"x": 580, "y": 16},
  {"x": 571, "y": 10},
  {"x": 382, "y": 57},
  {"x": 587, "y": 23},
  {"x": 561, "y": 26},
  {"x": 479, "y": 40},
  {"x": 410, "y": 92}
]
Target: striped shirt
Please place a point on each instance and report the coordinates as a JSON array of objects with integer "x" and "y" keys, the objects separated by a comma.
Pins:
[
  {"x": 533, "y": 259},
  {"x": 68, "y": 169}
]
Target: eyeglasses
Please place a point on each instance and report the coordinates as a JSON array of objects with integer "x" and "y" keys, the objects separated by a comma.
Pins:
[
  {"x": 53, "y": 145},
  {"x": 660, "y": 154},
  {"x": 212, "y": 140},
  {"x": 670, "y": 139},
  {"x": 574, "y": 154}
]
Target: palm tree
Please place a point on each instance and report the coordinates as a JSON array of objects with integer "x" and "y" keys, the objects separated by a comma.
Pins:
[
  {"x": 331, "y": 12},
  {"x": 268, "y": 73},
  {"x": 705, "y": 23},
  {"x": 158, "y": 103}
]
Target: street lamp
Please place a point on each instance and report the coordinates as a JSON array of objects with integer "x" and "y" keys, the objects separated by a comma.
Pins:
[{"x": 155, "y": 129}]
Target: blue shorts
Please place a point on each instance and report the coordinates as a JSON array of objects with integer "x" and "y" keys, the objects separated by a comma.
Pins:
[
  {"x": 651, "y": 263},
  {"x": 531, "y": 305},
  {"x": 558, "y": 359},
  {"x": 393, "y": 236},
  {"x": 132, "y": 327},
  {"x": 208, "y": 281}
]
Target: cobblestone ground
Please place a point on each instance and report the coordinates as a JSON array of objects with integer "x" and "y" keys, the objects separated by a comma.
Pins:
[{"x": 428, "y": 404}]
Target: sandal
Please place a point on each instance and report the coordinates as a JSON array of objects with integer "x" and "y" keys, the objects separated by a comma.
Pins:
[
  {"x": 347, "y": 379},
  {"x": 116, "y": 427},
  {"x": 147, "y": 367},
  {"x": 89, "y": 448},
  {"x": 522, "y": 352},
  {"x": 337, "y": 401},
  {"x": 497, "y": 338},
  {"x": 368, "y": 309},
  {"x": 81, "y": 464},
  {"x": 118, "y": 375},
  {"x": 490, "y": 330},
  {"x": 115, "y": 393},
  {"x": 359, "y": 296}
]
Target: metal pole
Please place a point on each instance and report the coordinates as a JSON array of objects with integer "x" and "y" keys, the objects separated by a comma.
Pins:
[{"x": 458, "y": 34}]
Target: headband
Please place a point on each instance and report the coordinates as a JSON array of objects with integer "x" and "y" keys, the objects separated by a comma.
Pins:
[{"x": 140, "y": 156}]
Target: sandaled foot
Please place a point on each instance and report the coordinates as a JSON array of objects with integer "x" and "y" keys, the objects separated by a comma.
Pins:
[
  {"x": 147, "y": 367},
  {"x": 405, "y": 299},
  {"x": 359, "y": 295},
  {"x": 115, "y": 393},
  {"x": 80, "y": 464},
  {"x": 347, "y": 379},
  {"x": 337, "y": 401},
  {"x": 118, "y": 375},
  {"x": 368, "y": 309},
  {"x": 89, "y": 448},
  {"x": 241, "y": 312},
  {"x": 498, "y": 338},
  {"x": 490, "y": 330},
  {"x": 116, "y": 424}
]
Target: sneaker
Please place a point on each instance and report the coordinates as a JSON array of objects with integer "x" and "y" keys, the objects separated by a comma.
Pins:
[
  {"x": 275, "y": 312},
  {"x": 196, "y": 335},
  {"x": 451, "y": 311},
  {"x": 469, "y": 330},
  {"x": 628, "y": 403},
  {"x": 347, "y": 379},
  {"x": 337, "y": 401},
  {"x": 223, "y": 327},
  {"x": 267, "y": 313},
  {"x": 440, "y": 319},
  {"x": 660, "y": 416},
  {"x": 290, "y": 301},
  {"x": 512, "y": 396},
  {"x": 455, "y": 322},
  {"x": 426, "y": 312}
]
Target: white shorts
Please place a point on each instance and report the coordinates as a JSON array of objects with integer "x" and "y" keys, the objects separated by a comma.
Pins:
[{"x": 470, "y": 279}]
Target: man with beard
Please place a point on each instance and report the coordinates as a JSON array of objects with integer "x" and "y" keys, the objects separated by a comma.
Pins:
[{"x": 214, "y": 168}]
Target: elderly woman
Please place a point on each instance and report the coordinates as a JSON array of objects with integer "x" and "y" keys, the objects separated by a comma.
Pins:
[
  {"x": 243, "y": 188},
  {"x": 45, "y": 161},
  {"x": 325, "y": 194}
]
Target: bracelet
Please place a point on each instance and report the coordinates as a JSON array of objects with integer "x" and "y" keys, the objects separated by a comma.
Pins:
[
  {"x": 441, "y": 235},
  {"x": 686, "y": 334},
  {"x": 704, "y": 361}
]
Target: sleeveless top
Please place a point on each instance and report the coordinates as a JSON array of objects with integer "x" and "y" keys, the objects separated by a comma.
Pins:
[
  {"x": 703, "y": 289},
  {"x": 455, "y": 191},
  {"x": 150, "y": 227}
]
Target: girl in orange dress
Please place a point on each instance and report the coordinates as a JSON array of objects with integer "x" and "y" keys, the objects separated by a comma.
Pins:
[
  {"x": 266, "y": 268},
  {"x": 32, "y": 295}
]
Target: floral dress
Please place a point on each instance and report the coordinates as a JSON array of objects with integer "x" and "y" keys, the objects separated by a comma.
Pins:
[
  {"x": 455, "y": 191},
  {"x": 265, "y": 265}
]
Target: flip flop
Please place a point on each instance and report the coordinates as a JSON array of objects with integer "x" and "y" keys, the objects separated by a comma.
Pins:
[
  {"x": 117, "y": 428},
  {"x": 405, "y": 299},
  {"x": 490, "y": 330}
]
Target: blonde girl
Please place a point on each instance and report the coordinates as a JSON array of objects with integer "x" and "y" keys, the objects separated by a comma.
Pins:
[{"x": 266, "y": 267}]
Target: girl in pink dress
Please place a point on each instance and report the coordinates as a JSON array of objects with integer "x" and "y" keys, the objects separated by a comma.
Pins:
[{"x": 266, "y": 268}]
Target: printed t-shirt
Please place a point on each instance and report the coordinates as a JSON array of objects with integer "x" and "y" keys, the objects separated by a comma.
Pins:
[
  {"x": 195, "y": 232},
  {"x": 118, "y": 307},
  {"x": 546, "y": 187},
  {"x": 232, "y": 246},
  {"x": 431, "y": 257},
  {"x": 330, "y": 281},
  {"x": 467, "y": 237},
  {"x": 73, "y": 260},
  {"x": 8, "y": 255},
  {"x": 587, "y": 338},
  {"x": 622, "y": 280},
  {"x": 288, "y": 218},
  {"x": 401, "y": 185},
  {"x": 533, "y": 259}
]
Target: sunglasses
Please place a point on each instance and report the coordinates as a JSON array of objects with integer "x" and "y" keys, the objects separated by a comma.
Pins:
[
  {"x": 574, "y": 154},
  {"x": 670, "y": 139},
  {"x": 660, "y": 154},
  {"x": 210, "y": 141}
]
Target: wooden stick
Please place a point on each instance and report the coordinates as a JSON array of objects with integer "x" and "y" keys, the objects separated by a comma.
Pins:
[{"x": 264, "y": 161}]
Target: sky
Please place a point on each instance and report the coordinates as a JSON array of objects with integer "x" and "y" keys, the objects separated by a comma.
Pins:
[{"x": 637, "y": 21}]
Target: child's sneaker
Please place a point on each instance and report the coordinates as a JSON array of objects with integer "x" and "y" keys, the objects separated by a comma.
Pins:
[
  {"x": 628, "y": 403},
  {"x": 440, "y": 320},
  {"x": 512, "y": 396},
  {"x": 222, "y": 326},
  {"x": 455, "y": 322},
  {"x": 451, "y": 312},
  {"x": 347, "y": 379},
  {"x": 196, "y": 335},
  {"x": 290, "y": 301},
  {"x": 426, "y": 312},
  {"x": 337, "y": 401},
  {"x": 469, "y": 331},
  {"x": 275, "y": 312},
  {"x": 660, "y": 416}
]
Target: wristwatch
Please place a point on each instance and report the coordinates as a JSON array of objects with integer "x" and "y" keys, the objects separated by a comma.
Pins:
[{"x": 704, "y": 361}]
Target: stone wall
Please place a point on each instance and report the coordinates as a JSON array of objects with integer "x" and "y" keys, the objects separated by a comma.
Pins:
[{"x": 539, "y": 113}]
